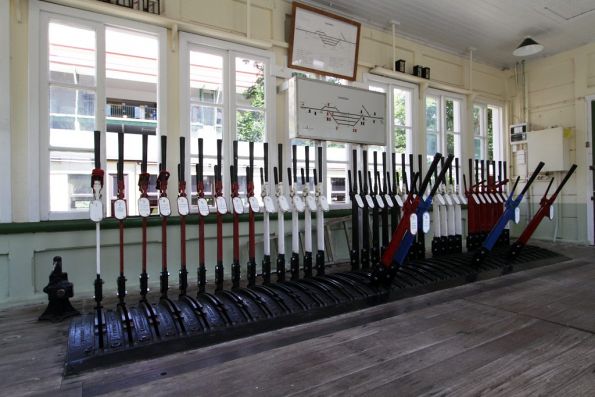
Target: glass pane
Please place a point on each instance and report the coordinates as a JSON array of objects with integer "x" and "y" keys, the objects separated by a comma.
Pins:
[
  {"x": 453, "y": 144},
  {"x": 206, "y": 122},
  {"x": 402, "y": 107},
  {"x": 131, "y": 56},
  {"x": 449, "y": 115},
  {"x": 431, "y": 145},
  {"x": 70, "y": 181},
  {"x": 477, "y": 151},
  {"x": 208, "y": 183},
  {"x": 72, "y": 117},
  {"x": 400, "y": 140},
  {"x": 250, "y": 125},
  {"x": 71, "y": 54},
  {"x": 249, "y": 83},
  {"x": 476, "y": 120},
  {"x": 206, "y": 77},
  {"x": 336, "y": 171},
  {"x": 490, "y": 133},
  {"x": 431, "y": 113},
  {"x": 453, "y": 115},
  {"x": 338, "y": 190}
]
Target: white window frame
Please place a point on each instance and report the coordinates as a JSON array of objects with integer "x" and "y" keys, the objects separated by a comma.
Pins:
[
  {"x": 39, "y": 15},
  {"x": 443, "y": 96},
  {"x": 5, "y": 169},
  {"x": 497, "y": 144},
  {"x": 389, "y": 86},
  {"x": 229, "y": 50}
]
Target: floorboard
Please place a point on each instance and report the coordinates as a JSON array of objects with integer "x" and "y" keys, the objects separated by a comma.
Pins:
[{"x": 528, "y": 333}]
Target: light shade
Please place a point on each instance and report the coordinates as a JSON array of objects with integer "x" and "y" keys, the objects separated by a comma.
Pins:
[{"x": 527, "y": 47}]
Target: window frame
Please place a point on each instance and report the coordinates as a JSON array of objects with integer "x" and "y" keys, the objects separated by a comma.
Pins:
[
  {"x": 442, "y": 132},
  {"x": 389, "y": 86},
  {"x": 497, "y": 137},
  {"x": 40, "y": 14},
  {"x": 5, "y": 113},
  {"x": 229, "y": 51}
]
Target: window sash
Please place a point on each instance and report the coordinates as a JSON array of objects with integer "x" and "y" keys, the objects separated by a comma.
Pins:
[
  {"x": 39, "y": 74},
  {"x": 229, "y": 105}
]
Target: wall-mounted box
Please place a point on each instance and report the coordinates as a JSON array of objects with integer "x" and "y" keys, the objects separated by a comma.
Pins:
[{"x": 548, "y": 146}]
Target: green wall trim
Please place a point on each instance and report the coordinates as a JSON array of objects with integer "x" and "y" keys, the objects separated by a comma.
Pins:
[{"x": 131, "y": 222}]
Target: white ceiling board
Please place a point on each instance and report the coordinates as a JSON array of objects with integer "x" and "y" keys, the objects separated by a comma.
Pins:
[{"x": 493, "y": 27}]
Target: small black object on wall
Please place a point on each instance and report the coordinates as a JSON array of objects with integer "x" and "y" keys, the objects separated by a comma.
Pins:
[
  {"x": 59, "y": 291},
  {"x": 400, "y": 65}
]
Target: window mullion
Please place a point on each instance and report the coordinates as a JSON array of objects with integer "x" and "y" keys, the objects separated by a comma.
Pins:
[
  {"x": 100, "y": 100},
  {"x": 229, "y": 117}
]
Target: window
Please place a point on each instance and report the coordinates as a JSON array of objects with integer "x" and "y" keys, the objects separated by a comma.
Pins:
[
  {"x": 338, "y": 190},
  {"x": 400, "y": 97},
  {"x": 227, "y": 95},
  {"x": 5, "y": 199},
  {"x": 96, "y": 73},
  {"x": 487, "y": 131},
  {"x": 444, "y": 116},
  {"x": 337, "y": 161}
]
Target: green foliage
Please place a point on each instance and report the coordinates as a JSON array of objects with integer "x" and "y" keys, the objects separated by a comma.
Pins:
[
  {"x": 490, "y": 135},
  {"x": 250, "y": 124}
]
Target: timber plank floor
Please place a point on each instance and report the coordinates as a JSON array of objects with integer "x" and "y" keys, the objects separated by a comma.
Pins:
[{"x": 527, "y": 333}]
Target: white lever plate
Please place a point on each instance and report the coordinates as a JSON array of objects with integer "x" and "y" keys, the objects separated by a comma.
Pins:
[
  {"x": 164, "y": 206},
  {"x": 120, "y": 209},
  {"x": 144, "y": 207},
  {"x": 269, "y": 204},
  {"x": 379, "y": 201},
  {"x": 254, "y": 204},
  {"x": 203, "y": 207},
  {"x": 551, "y": 213},
  {"x": 389, "y": 201},
  {"x": 359, "y": 201},
  {"x": 426, "y": 222},
  {"x": 413, "y": 224},
  {"x": 311, "y": 202},
  {"x": 221, "y": 205},
  {"x": 298, "y": 203},
  {"x": 183, "y": 206},
  {"x": 283, "y": 204},
  {"x": 238, "y": 206},
  {"x": 96, "y": 210}
]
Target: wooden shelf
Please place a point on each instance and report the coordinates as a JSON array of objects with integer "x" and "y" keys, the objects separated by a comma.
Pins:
[{"x": 380, "y": 71}]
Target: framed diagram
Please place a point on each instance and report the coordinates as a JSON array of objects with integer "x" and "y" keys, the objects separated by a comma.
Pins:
[
  {"x": 323, "y": 43},
  {"x": 325, "y": 111}
]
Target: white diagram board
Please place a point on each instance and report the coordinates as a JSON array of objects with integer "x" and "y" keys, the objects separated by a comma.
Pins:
[{"x": 329, "y": 112}]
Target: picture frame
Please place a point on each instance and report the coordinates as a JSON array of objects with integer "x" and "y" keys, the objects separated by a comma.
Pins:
[{"x": 323, "y": 43}]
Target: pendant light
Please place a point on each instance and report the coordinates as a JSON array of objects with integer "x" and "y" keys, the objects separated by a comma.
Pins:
[{"x": 527, "y": 47}]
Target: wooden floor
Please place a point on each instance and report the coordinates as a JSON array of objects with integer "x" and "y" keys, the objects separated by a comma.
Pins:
[{"x": 529, "y": 333}]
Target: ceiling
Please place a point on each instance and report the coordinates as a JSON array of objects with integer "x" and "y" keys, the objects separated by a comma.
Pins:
[{"x": 493, "y": 28}]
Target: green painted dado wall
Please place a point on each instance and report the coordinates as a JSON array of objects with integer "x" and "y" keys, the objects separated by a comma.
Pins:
[{"x": 27, "y": 250}]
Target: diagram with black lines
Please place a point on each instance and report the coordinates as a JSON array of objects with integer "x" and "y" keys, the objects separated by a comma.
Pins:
[
  {"x": 325, "y": 111},
  {"x": 353, "y": 120},
  {"x": 324, "y": 44}
]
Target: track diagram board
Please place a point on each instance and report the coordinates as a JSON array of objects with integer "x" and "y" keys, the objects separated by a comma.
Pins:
[{"x": 329, "y": 112}]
